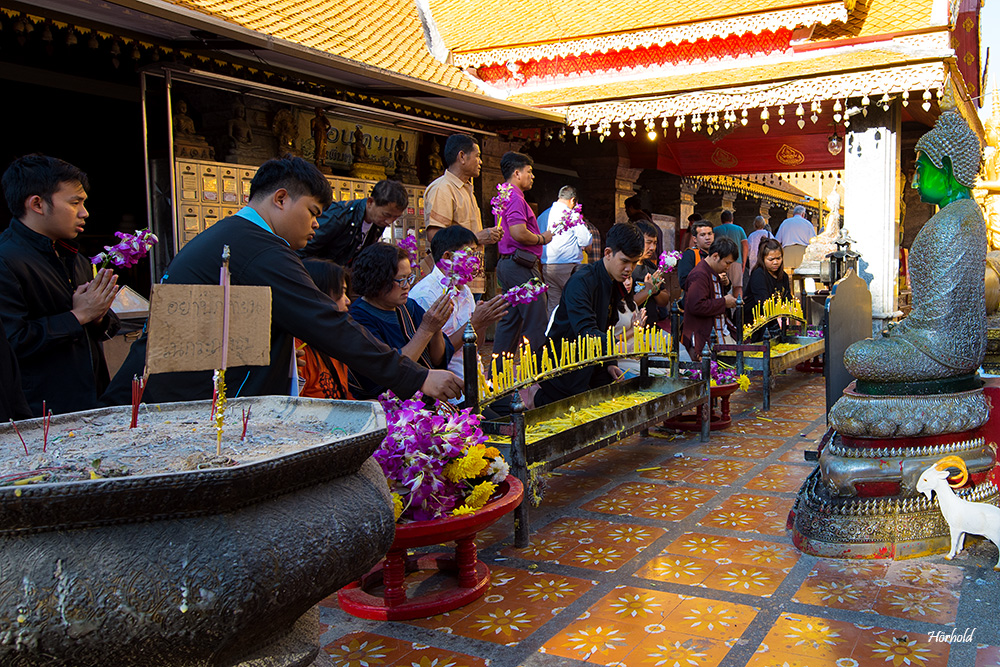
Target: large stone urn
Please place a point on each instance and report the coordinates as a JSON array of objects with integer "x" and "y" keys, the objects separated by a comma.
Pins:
[{"x": 207, "y": 567}]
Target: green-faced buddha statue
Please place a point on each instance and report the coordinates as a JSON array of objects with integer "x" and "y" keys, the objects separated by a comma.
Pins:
[{"x": 945, "y": 333}]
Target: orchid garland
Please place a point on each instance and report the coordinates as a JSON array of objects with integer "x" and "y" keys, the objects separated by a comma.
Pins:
[
  {"x": 501, "y": 199},
  {"x": 570, "y": 218},
  {"x": 525, "y": 293},
  {"x": 814, "y": 333},
  {"x": 128, "y": 251},
  {"x": 459, "y": 270},
  {"x": 409, "y": 244},
  {"x": 668, "y": 260},
  {"x": 436, "y": 464}
]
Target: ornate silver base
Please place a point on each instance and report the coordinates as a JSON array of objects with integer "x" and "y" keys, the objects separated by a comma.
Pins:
[
  {"x": 885, "y": 527},
  {"x": 888, "y": 416}
]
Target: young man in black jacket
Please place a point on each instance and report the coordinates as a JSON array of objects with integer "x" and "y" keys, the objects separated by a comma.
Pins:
[
  {"x": 286, "y": 196},
  {"x": 588, "y": 307},
  {"x": 54, "y": 310}
]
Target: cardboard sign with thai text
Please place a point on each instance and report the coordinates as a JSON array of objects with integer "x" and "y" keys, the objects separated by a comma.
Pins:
[{"x": 185, "y": 327}]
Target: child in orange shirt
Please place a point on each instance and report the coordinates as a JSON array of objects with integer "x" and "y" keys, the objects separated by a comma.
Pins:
[{"x": 322, "y": 376}]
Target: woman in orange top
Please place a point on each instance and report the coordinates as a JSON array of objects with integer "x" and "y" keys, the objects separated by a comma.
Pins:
[{"x": 323, "y": 376}]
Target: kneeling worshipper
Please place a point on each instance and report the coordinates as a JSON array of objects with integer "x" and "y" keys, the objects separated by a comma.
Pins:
[
  {"x": 591, "y": 303},
  {"x": 766, "y": 280},
  {"x": 382, "y": 277},
  {"x": 321, "y": 376}
]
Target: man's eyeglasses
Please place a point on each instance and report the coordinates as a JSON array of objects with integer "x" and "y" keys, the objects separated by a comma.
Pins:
[{"x": 407, "y": 281}]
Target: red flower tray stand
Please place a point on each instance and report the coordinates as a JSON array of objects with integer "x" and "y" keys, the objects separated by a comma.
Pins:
[
  {"x": 473, "y": 576},
  {"x": 720, "y": 392}
]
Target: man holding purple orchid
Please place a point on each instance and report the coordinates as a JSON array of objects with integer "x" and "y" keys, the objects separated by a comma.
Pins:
[
  {"x": 520, "y": 257},
  {"x": 55, "y": 312},
  {"x": 569, "y": 237},
  {"x": 590, "y": 305}
]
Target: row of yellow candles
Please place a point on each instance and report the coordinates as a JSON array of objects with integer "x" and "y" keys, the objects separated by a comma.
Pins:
[
  {"x": 531, "y": 367},
  {"x": 776, "y": 307}
]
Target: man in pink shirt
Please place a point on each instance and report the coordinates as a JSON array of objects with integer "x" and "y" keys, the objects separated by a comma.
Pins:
[{"x": 520, "y": 258}]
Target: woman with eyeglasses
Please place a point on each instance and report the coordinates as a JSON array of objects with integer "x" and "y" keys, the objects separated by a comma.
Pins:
[{"x": 382, "y": 277}]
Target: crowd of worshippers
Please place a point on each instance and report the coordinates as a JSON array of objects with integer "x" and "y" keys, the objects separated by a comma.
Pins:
[{"x": 349, "y": 317}]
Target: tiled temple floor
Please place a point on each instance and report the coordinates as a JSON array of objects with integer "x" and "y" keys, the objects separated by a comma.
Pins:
[{"x": 667, "y": 552}]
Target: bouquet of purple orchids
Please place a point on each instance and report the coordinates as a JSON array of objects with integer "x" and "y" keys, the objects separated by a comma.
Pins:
[
  {"x": 128, "y": 251},
  {"x": 436, "y": 464},
  {"x": 459, "y": 270},
  {"x": 570, "y": 218},
  {"x": 525, "y": 293},
  {"x": 409, "y": 244},
  {"x": 501, "y": 199}
]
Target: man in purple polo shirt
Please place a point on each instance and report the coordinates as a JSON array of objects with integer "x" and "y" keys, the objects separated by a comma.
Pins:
[{"x": 520, "y": 258}]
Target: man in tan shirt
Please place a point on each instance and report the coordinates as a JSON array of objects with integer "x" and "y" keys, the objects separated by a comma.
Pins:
[{"x": 450, "y": 200}]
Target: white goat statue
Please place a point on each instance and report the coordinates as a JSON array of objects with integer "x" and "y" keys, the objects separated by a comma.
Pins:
[{"x": 961, "y": 515}]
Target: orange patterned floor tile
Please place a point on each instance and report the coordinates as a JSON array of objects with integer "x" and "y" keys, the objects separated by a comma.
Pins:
[
  {"x": 673, "y": 648},
  {"x": 879, "y": 647},
  {"x": 918, "y": 604},
  {"x": 730, "y": 519},
  {"x": 500, "y": 624},
  {"x": 811, "y": 638},
  {"x": 364, "y": 649},
  {"x": 627, "y": 605},
  {"x": 594, "y": 640},
  {"x": 746, "y": 579},
  {"x": 676, "y": 569},
  {"x": 551, "y": 590},
  {"x": 712, "y": 619},
  {"x": 779, "y": 477},
  {"x": 797, "y": 453},
  {"x": 701, "y": 545},
  {"x": 987, "y": 656},
  {"x": 928, "y": 576},
  {"x": 838, "y": 592},
  {"x": 598, "y": 557},
  {"x": 772, "y": 428}
]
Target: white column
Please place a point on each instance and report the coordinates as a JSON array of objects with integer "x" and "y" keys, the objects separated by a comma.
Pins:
[{"x": 871, "y": 203}]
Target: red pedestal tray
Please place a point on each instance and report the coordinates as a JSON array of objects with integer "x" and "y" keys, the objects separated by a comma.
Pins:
[
  {"x": 473, "y": 576},
  {"x": 719, "y": 421}
]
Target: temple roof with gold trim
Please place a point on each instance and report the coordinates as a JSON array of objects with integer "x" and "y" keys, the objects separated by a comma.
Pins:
[{"x": 387, "y": 34}]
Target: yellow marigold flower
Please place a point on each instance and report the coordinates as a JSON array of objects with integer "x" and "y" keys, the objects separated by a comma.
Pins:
[
  {"x": 464, "y": 509},
  {"x": 397, "y": 506},
  {"x": 480, "y": 494},
  {"x": 469, "y": 466},
  {"x": 744, "y": 382},
  {"x": 492, "y": 452}
]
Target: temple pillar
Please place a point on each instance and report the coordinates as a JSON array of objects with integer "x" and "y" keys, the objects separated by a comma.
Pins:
[
  {"x": 871, "y": 203},
  {"x": 689, "y": 188},
  {"x": 765, "y": 210},
  {"x": 605, "y": 183},
  {"x": 728, "y": 201}
]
